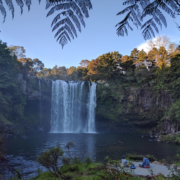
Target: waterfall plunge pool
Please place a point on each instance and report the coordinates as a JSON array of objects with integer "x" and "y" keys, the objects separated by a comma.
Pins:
[{"x": 23, "y": 152}]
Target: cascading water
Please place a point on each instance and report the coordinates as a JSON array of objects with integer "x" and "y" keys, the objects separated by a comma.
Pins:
[
  {"x": 73, "y": 107},
  {"x": 91, "y": 107},
  {"x": 40, "y": 102}
]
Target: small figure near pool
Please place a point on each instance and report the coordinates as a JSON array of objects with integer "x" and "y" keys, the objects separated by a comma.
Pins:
[
  {"x": 145, "y": 163},
  {"x": 124, "y": 161}
]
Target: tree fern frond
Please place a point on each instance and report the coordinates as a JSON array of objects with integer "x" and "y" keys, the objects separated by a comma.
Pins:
[
  {"x": 136, "y": 18},
  {"x": 28, "y": 4},
  {"x": 129, "y": 8},
  {"x": 129, "y": 2},
  {"x": 58, "y": 7},
  {"x": 144, "y": 3},
  {"x": 74, "y": 12},
  {"x": 150, "y": 9},
  {"x": 146, "y": 23},
  {"x": 167, "y": 9},
  {"x": 129, "y": 26},
  {"x": 154, "y": 26},
  {"x": 21, "y": 4},
  {"x": 138, "y": 11},
  {"x": 71, "y": 26},
  {"x": 173, "y": 5},
  {"x": 152, "y": 32},
  {"x": 146, "y": 34},
  {"x": 64, "y": 33},
  {"x": 64, "y": 28},
  {"x": 125, "y": 30},
  {"x": 86, "y": 2},
  {"x": 64, "y": 21},
  {"x": 177, "y": 2},
  {"x": 11, "y": 6},
  {"x": 76, "y": 9},
  {"x": 161, "y": 17},
  {"x": 63, "y": 41},
  {"x": 69, "y": 30},
  {"x": 3, "y": 10},
  {"x": 120, "y": 32},
  {"x": 75, "y": 19},
  {"x": 58, "y": 17},
  {"x": 48, "y": 4},
  {"x": 157, "y": 21},
  {"x": 83, "y": 8},
  {"x": 124, "y": 20}
]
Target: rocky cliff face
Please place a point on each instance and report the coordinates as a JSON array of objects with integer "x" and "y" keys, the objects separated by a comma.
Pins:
[
  {"x": 37, "y": 111},
  {"x": 141, "y": 107},
  {"x": 31, "y": 89}
]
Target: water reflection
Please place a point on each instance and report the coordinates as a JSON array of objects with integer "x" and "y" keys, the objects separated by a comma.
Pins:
[{"x": 23, "y": 152}]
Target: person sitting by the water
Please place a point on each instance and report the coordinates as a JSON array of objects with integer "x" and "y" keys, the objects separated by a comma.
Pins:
[
  {"x": 125, "y": 162},
  {"x": 145, "y": 163}
]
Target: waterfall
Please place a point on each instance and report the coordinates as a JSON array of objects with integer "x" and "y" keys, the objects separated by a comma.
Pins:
[
  {"x": 40, "y": 102},
  {"x": 73, "y": 107},
  {"x": 91, "y": 107}
]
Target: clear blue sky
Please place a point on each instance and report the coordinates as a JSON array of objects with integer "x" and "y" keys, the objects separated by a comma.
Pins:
[{"x": 33, "y": 31}]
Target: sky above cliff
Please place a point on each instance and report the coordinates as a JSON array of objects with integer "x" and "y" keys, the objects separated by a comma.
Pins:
[{"x": 33, "y": 31}]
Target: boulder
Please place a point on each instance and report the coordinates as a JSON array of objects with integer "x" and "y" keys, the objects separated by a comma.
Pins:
[
  {"x": 156, "y": 162},
  {"x": 178, "y": 169},
  {"x": 174, "y": 166}
]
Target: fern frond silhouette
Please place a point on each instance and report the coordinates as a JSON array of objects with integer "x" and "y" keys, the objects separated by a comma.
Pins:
[
  {"x": 70, "y": 18},
  {"x": 71, "y": 15},
  {"x": 151, "y": 10}
]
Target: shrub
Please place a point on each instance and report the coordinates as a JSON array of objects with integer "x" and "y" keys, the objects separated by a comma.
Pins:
[
  {"x": 49, "y": 159},
  {"x": 88, "y": 160},
  {"x": 66, "y": 160},
  {"x": 136, "y": 157},
  {"x": 76, "y": 160}
]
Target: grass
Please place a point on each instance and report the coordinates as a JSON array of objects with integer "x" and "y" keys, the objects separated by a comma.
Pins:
[
  {"x": 136, "y": 157},
  {"x": 84, "y": 171}
]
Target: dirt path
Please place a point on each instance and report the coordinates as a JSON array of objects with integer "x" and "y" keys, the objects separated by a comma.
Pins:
[{"x": 156, "y": 169}]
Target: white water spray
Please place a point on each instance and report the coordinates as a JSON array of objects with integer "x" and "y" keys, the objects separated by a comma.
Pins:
[
  {"x": 40, "y": 102},
  {"x": 69, "y": 113}
]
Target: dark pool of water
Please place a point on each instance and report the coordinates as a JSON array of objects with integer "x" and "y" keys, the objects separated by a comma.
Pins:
[{"x": 23, "y": 152}]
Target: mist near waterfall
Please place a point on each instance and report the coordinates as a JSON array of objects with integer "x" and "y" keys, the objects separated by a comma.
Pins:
[{"x": 73, "y": 106}]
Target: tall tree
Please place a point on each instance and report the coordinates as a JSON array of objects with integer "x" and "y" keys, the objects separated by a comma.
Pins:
[
  {"x": 37, "y": 65},
  {"x": 18, "y": 51},
  {"x": 84, "y": 63},
  {"x": 11, "y": 98},
  {"x": 160, "y": 56}
]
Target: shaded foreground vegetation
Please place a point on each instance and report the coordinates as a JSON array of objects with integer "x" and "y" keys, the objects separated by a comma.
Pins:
[{"x": 75, "y": 169}]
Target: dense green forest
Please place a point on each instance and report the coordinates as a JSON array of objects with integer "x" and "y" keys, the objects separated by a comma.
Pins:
[{"x": 141, "y": 89}]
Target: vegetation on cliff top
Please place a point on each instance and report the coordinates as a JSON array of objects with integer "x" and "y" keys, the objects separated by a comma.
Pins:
[{"x": 141, "y": 89}]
